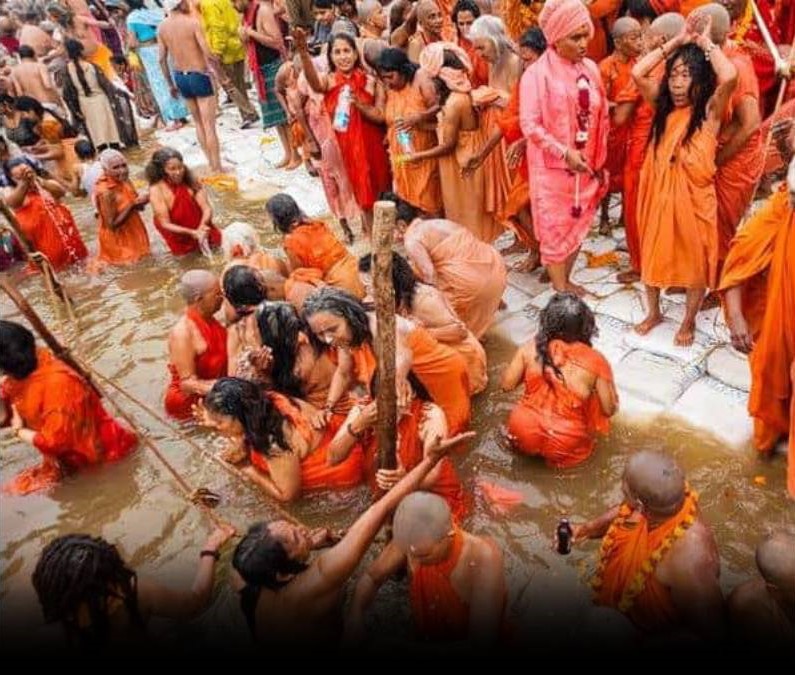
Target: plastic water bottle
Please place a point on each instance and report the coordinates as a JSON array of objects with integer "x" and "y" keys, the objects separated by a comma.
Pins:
[
  {"x": 342, "y": 114},
  {"x": 7, "y": 242},
  {"x": 404, "y": 141}
]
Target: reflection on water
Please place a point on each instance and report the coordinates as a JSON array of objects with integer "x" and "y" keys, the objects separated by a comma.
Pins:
[{"x": 125, "y": 316}]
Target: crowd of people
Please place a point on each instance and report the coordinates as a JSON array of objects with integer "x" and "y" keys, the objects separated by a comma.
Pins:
[{"x": 473, "y": 118}]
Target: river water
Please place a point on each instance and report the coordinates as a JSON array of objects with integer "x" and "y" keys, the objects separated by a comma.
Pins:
[{"x": 125, "y": 316}]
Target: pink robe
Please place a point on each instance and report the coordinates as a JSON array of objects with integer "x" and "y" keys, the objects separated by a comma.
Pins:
[{"x": 548, "y": 116}]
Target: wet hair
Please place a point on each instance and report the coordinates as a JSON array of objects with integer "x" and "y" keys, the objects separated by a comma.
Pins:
[
  {"x": 702, "y": 87},
  {"x": 342, "y": 304},
  {"x": 639, "y": 9},
  {"x": 322, "y": 4},
  {"x": 243, "y": 400},
  {"x": 74, "y": 51},
  {"x": 405, "y": 211},
  {"x": 243, "y": 288},
  {"x": 396, "y": 11},
  {"x": 465, "y": 6},
  {"x": 18, "y": 161},
  {"x": 6, "y": 99},
  {"x": 63, "y": 16},
  {"x": 450, "y": 60},
  {"x": 350, "y": 42},
  {"x": 84, "y": 149},
  {"x": 403, "y": 279},
  {"x": 394, "y": 60},
  {"x": 260, "y": 558},
  {"x": 566, "y": 317},
  {"x": 17, "y": 350},
  {"x": 491, "y": 28},
  {"x": 279, "y": 328},
  {"x": 78, "y": 572},
  {"x": 29, "y": 104},
  {"x": 156, "y": 169},
  {"x": 533, "y": 38},
  {"x": 31, "y": 16},
  {"x": 26, "y": 52},
  {"x": 284, "y": 212}
]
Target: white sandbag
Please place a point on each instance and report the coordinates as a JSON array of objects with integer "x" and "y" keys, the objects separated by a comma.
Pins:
[
  {"x": 710, "y": 405},
  {"x": 652, "y": 377},
  {"x": 660, "y": 340},
  {"x": 634, "y": 411},
  {"x": 730, "y": 367}
]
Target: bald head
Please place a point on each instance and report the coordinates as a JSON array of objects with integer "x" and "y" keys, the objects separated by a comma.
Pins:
[
  {"x": 775, "y": 557},
  {"x": 656, "y": 480},
  {"x": 195, "y": 283},
  {"x": 721, "y": 21},
  {"x": 668, "y": 25},
  {"x": 425, "y": 8},
  {"x": 623, "y": 26},
  {"x": 421, "y": 520}
]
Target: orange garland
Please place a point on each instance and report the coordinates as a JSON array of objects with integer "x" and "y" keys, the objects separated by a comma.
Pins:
[{"x": 744, "y": 24}]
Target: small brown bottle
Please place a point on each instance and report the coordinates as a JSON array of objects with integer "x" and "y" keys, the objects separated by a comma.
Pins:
[{"x": 563, "y": 536}]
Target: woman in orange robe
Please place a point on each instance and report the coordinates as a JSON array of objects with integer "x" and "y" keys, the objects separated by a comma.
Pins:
[
  {"x": 286, "y": 454},
  {"x": 47, "y": 224},
  {"x": 569, "y": 391},
  {"x": 122, "y": 233},
  {"x": 54, "y": 409},
  {"x": 311, "y": 244},
  {"x": 677, "y": 206}
]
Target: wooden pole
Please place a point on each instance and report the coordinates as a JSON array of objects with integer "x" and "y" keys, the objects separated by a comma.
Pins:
[{"x": 386, "y": 426}]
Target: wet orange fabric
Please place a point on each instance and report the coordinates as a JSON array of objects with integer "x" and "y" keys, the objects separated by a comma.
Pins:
[
  {"x": 773, "y": 159},
  {"x": 439, "y": 613},
  {"x": 616, "y": 75},
  {"x": 480, "y": 68},
  {"x": 415, "y": 182},
  {"x": 629, "y": 556},
  {"x": 677, "y": 208},
  {"x": 736, "y": 180},
  {"x": 73, "y": 429},
  {"x": 443, "y": 372},
  {"x": 128, "y": 242},
  {"x": 475, "y": 357},
  {"x": 210, "y": 365},
  {"x": 762, "y": 258},
  {"x": 603, "y": 13},
  {"x": 364, "y": 364},
  {"x": 312, "y": 244},
  {"x": 316, "y": 472},
  {"x": 301, "y": 283},
  {"x": 551, "y": 420},
  {"x": 50, "y": 228}
]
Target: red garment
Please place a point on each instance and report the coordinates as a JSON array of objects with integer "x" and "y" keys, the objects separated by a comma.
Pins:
[
  {"x": 551, "y": 420},
  {"x": 210, "y": 365},
  {"x": 752, "y": 43},
  {"x": 185, "y": 212},
  {"x": 73, "y": 429},
  {"x": 616, "y": 76},
  {"x": 10, "y": 43},
  {"x": 362, "y": 145},
  {"x": 249, "y": 21},
  {"x": 785, "y": 20}
]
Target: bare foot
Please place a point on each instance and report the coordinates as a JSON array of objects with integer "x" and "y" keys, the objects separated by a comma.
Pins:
[
  {"x": 605, "y": 228},
  {"x": 282, "y": 164},
  {"x": 710, "y": 302},
  {"x": 530, "y": 263},
  {"x": 684, "y": 336},
  {"x": 628, "y": 277},
  {"x": 648, "y": 323},
  {"x": 675, "y": 290},
  {"x": 571, "y": 287},
  {"x": 294, "y": 164}
]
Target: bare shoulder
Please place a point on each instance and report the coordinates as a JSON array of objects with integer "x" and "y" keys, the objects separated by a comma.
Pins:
[
  {"x": 484, "y": 553},
  {"x": 747, "y": 598},
  {"x": 692, "y": 558},
  {"x": 182, "y": 330}
]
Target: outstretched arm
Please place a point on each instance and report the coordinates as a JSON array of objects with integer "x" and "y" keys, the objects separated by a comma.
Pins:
[{"x": 512, "y": 376}]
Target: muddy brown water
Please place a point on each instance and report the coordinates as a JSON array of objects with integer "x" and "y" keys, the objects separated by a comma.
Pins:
[{"x": 125, "y": 316}]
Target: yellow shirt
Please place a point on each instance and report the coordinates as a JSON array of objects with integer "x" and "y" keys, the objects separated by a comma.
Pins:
[{"x": 221, "y": 24}]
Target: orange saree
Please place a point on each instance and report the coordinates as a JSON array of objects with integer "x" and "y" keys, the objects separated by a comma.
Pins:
[{"x": 128, "y": 242}]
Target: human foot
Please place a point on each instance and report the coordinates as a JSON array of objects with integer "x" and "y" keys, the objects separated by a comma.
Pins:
[
  {"x": 282, "y": 164},
  {"x": 530, "y": 263},
  {"x": 294, "y": 164},
  {"x": 685, "y": 335},
  {"x": 628, "y": 277},
  {"x": 710, "y": 302},
  {"x": 605, "y": 228},
  {"x": 648, "y": 323},
  {"x": 571, "y": 287}
]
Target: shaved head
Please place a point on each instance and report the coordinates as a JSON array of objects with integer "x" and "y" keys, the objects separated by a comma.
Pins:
[
  {"x": 422, "y": 519},
  {"x": 668, "y": 25},
  {"x": 656, "y": 480},
  {"x": 195, "y": 283},
  {"x": 624, "y": 25},
  {"x": 721, "y": 21},
  {"x": 775, "y": 557}
]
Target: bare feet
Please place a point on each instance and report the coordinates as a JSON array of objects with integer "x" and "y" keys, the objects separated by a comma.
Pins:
[
  {"x": 684, "y": 336},
  {"x": 648, "y": 323},
  {"x": 294, "y": 164},
  {"x": 628, "y": 277},
  {"x": 710, "y": 302},
  {"x": 282, "y": 164},
  {"x": 530, "y": 263},
  {"x": 605, "y": 228},
  {"x": 571, "y": 287}
]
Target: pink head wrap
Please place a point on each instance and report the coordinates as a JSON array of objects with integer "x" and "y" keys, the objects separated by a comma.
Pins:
[
  {"x": 432, "y": 58},
  {"x": 560, "y": 18}
]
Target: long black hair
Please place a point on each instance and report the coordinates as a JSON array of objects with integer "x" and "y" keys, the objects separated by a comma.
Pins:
[
  {"x": 280, "y": 326},
  {"x": 451, "y": 60},
  {"x": 403, "y": 279},
  {"x": 394, "y": 60},
  {"x": 702, "y": 88},
  {"x": 156, "y": 169},
  {"x": 284, "y": 212},
  {"x": 243, "y": 288},
  {"x": 74, "y": 49},
  {"x": 243, "y": 400},
  {"x": 566, "y": 317},
  {"x": 17, "y": 348},
  {"x": 78, "y": 572},
  {"x": 342, "y": 304},
  {"x": 260, "y": 559},
  {"x": 351, "y": 43}
]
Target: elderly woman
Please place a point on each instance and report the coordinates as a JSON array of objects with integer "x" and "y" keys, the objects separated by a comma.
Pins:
[
  {"x": 564, "y": 116},
  {"x": 240, "y": 244},
  {"x": 122, "y": 233}
]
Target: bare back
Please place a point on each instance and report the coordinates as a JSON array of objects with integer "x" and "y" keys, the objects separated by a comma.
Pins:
[
  {"x": 179, "y": 33},
  {"x": 36, "y": 39},
  {"x": 32, "y": 79}
]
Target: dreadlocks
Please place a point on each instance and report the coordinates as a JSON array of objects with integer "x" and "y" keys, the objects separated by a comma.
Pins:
[
  {"x": 403, "y": 279},
  {"x": 566, "y": 317}
]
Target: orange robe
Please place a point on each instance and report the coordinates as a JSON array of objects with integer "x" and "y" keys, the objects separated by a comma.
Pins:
[
  {"x": 773, "y": 160},
  {"x": 50, "y": 228},
  {"x": 551, "y": 420},
  {"x": 748, "y": 39},
  {"x": 128, "y": 242},
  {"x": 480, "y": 68},
  {"x": 443, "y": 372},
  {"x": 73, "y": 429},
  {"x": 316, "y": 472},
  {"x": 474, "y": 355},
  {"x": 439, "y": 613},
  {"x": 616, "y": 75},
  {"x": 210, "y": 365},
  {"x": 677, "y": 208},
  {"x": 630, "y": 553},
  {"x": 415, "y": 182},
  {"x": 762, "y": 260},
  {"x": 603, "y": 14},
  {"x": 312, "y": 244},
  {"x": 301, "y": 283},
  {"x": 736, "y": 180}
]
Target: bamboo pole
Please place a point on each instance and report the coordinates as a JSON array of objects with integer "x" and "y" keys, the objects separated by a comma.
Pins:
[{"x": 384, "y": 291}]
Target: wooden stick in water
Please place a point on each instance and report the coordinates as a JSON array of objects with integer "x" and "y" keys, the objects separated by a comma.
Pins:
[{"x": 384, "y": 291}]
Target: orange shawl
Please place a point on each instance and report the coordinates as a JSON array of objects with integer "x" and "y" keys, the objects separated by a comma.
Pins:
[
  {"x": 128, "y": 242},
  {"x": 628, "y": 558}
]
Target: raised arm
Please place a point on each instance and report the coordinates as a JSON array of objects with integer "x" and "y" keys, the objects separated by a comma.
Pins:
[
  {"x": 726, "y": 74},
  {"x": 314, "y": 80}
]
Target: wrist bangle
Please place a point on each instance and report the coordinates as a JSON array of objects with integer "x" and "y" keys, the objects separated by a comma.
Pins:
[
  {"x": 212, "y": 554},
  {"x": 349, "y": 427}
]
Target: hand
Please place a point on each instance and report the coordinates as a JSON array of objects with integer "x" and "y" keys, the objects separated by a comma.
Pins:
[
  {"x": 440, "y": 447},
  {"x": 261, "y": 359},
  {"x": 142, "y": 199},
  {"x": 407, "y": 123},
  {"x": 367, "y": 417},
  {"x": 244, "y": 32},
  {"x": 235, "y": 452},
  {"x": 323, "y": 537},
  {"x": 576, "y": 162},
  {"x": 17, "y": 423},
  {"x": 515, "y": 153},
  {"x": 403, "y": 393},
  {"x": 406, "y": 159},
  {"x": 219, "y": 536},
  {"x": 386, "y": 479},
  {"x": 579, "y": 533},
  {"x": 173, "y": 91},
  {"x": 471, "y": 164},
  {"x": 740, "y": 334},
  {"x": 299, "y": 39},
  {"x": 202, "y": 416},
  {"x": 318, "y": 418},
  {"x": 201, "y": 232}
]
